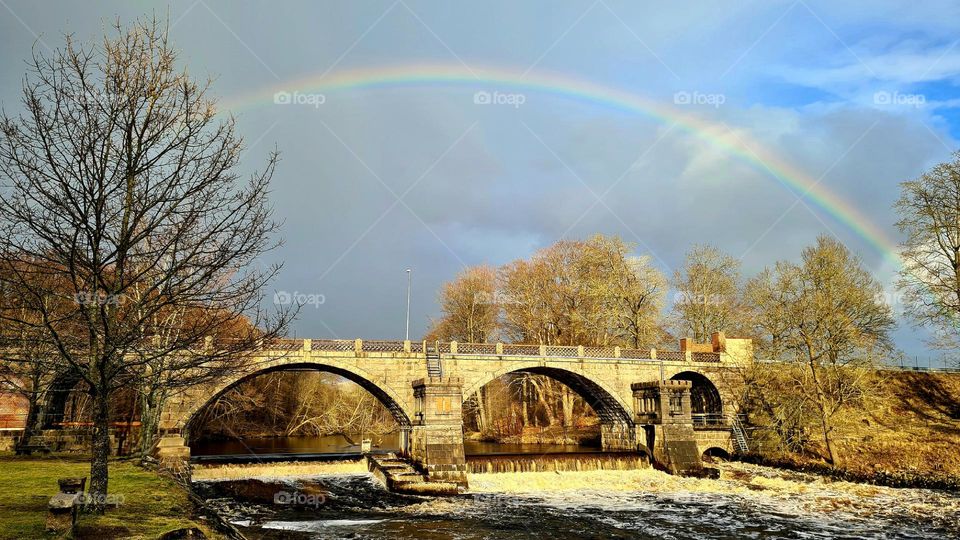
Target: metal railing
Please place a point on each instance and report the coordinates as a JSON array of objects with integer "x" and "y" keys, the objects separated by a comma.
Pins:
[
  {"x": 710, "y": 420},
  {"x": 494, "y": 349}
]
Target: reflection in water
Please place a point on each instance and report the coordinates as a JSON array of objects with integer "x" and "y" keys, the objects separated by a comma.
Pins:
[
  {"x": 747, "y": 501},
  {"x": 336, "y": 444}
]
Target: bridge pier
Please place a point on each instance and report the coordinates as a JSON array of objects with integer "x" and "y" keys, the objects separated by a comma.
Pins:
[
  {"x": 664, "y": 409},
  {"x": 173, "y": 455},
  {"x": 436, "y": 438},
  {"x": 619, "y": 437}
]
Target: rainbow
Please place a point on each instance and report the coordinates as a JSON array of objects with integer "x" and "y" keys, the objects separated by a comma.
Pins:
[{"x": 739, "y": 145}]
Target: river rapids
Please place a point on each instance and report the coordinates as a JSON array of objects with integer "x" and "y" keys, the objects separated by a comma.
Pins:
[{"x": 747, "y": 501}]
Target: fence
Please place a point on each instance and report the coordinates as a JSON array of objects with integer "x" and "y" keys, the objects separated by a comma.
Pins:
[{"x": 494, "y": 349}]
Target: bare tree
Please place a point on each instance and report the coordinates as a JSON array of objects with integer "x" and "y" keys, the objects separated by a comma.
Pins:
[
  {"x": 470, "y": 307},
  {"x": 590, "y": 292},
  {"x": 929, "y": 209},
  {"x": 708, "y": 294},
  {"x": 825, "y": 320},
  {"x": 630, "y": 290},
  {"x": 119, "y": 181}
]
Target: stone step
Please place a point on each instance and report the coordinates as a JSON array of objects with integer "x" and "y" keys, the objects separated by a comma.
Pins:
[{"x": 400, "y": 477}]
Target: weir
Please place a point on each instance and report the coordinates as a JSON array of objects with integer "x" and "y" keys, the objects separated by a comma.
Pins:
[{"x": 574, "y": 461}]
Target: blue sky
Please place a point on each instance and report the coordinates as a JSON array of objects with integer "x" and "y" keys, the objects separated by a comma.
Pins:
[{"x": 380, "y": 179}]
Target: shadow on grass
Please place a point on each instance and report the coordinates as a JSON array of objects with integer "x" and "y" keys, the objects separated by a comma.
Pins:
[{"x": 933, "y": 397}]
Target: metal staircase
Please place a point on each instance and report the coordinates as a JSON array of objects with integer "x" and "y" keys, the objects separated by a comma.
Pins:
[
  {"x": 434, "y": 367},
  {"x": 739, "y": 435}
]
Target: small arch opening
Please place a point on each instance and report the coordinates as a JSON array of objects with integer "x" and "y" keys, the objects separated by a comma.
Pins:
[{"x": 715, "y": 454}]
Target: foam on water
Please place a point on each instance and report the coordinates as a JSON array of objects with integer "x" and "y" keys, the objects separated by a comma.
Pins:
[{"x": 747, "y": 501}]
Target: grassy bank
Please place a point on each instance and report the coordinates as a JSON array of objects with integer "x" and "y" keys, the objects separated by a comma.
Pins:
[
  {"x": 150, "y": 504},
  {"x": 908, "y": 438}
]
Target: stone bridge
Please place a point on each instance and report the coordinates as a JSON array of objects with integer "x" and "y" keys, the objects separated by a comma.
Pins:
[{"x": 648, "y": 401}]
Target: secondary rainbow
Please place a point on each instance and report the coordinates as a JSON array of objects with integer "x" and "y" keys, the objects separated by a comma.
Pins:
[{"x": 739, "y": 145}]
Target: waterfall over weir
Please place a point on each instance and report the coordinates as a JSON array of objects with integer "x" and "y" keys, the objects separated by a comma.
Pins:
[{"x": 578, "y": 461}]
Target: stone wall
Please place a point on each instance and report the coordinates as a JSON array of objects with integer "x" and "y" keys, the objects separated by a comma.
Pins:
[
  {"x": 429, "y": 409},
  {"x": 436, "y": 441}
]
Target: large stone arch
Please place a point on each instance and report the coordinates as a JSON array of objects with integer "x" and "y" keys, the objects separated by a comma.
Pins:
[
  {"x": 609, "y": 405},
  {"x": 384, "y": 392}
]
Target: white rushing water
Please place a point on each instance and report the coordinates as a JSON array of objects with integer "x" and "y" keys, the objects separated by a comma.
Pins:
[{"x": 747, "y": 501}]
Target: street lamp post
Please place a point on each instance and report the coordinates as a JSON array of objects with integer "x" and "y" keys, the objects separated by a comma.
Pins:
[{"x": 409, "y": 283}]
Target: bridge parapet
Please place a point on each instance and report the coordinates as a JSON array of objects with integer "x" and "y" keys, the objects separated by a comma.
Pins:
[{"x": 722, "y": 350}]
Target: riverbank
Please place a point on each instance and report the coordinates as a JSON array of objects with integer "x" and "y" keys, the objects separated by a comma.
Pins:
[
  {"x": 149, "y": 505},
  {"x": 863, "y": 473},
  {"x": 908, "y": 438}
]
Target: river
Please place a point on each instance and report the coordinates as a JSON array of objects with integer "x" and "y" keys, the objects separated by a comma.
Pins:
[{"x": 747, "y": 501}]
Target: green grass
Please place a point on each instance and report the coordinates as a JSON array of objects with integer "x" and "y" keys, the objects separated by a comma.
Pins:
[{"x": 151, "y": 504}]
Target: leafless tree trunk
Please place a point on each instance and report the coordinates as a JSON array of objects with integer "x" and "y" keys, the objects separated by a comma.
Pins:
[{"x": 119, "y": 186}]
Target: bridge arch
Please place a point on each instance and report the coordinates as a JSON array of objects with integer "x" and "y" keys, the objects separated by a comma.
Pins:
[
  {"x": 610, "y": 407},
  {"x": 387, "y": 395},
  {"x": 55, "y": 404},
  {"x": 705, "y": 400}
]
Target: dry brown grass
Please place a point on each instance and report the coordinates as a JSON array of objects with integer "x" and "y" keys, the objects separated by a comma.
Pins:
[
  {"x": 916, "y": 428},
  {"x": 909, "y": 435}
]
